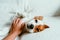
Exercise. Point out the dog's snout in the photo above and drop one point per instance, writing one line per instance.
(30, 26)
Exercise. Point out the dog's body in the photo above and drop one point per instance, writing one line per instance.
(36, 24)
(33, 25)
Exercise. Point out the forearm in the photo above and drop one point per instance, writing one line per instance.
(16, 29)
(11, 36)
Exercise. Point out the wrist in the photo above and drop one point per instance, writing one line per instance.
(11, 36)
(15, 32)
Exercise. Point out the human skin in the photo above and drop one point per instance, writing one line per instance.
(16, 29)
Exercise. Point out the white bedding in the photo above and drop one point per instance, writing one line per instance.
(42, 7)
(52, 33)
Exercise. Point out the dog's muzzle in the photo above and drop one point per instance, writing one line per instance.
(30, 26)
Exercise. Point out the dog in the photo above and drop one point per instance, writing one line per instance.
(36, 25)
(33, 25)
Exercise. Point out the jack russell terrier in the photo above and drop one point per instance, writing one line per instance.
(34, 24)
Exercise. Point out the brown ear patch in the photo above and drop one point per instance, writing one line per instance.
(38, 17)
(39, 28)
(46, 26)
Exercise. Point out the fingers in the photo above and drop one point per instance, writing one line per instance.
(16, 21)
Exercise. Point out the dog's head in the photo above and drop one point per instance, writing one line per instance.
(36, 24)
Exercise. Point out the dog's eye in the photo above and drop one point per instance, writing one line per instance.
(36, 21)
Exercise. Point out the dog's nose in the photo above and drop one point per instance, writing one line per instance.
(30, 26)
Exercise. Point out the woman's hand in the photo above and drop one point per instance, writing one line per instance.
(16, 28)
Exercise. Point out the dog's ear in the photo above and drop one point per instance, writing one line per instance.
(46, 26)
(38, 17)
(39, 28)
(35, 17)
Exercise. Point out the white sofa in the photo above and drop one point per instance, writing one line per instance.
(46, 8)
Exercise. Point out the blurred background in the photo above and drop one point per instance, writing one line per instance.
(46, 8)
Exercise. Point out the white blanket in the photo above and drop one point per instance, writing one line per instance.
(52, 33)
(40, 7)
